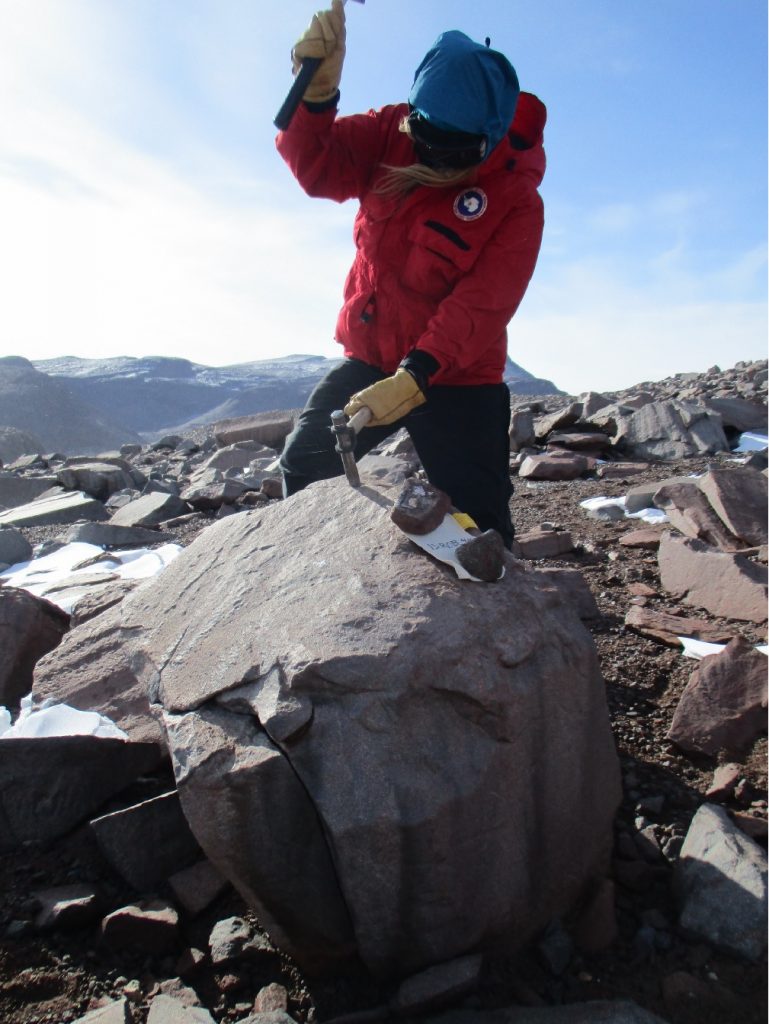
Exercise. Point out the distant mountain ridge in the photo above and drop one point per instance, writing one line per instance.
(155, 393)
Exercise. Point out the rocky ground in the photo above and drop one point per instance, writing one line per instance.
(56, 977)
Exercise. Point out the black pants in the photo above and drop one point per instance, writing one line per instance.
(460, 434)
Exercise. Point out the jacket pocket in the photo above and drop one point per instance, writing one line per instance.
(438, 256)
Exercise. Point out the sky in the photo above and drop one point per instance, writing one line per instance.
(144, 209)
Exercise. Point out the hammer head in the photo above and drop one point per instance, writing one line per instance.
(345, 445)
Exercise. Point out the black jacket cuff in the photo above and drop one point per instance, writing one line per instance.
(421, 365)
(320, 108)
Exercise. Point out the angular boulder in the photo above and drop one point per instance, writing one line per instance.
(739, 498)
(690, 512)
(67, 507)
(723, 706)
(357, 732)
(672, 430)
(724, 584)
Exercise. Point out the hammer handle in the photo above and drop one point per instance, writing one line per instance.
(309, 66)
(360, 419)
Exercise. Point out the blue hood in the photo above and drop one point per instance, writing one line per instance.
(464, 86)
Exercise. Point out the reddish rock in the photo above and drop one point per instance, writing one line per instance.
(725, 779)
(151, 926)
(420, 507)
(724, 704)
(67, 907)
(690, 512)
(621, 470)
(642, 590)
(647, 540)
(723, 584)
(541, 543)
(29, 628)
(739, 497)
(668, 628)
(555, 466)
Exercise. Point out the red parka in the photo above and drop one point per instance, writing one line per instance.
(443, 269)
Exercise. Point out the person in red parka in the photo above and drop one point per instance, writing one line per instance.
(447, 236)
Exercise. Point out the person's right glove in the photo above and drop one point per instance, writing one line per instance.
(325, 38)
(388, 399)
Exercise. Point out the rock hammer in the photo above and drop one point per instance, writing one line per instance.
(309, 66)
(346, 432)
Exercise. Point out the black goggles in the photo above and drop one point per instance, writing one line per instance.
(444, 149)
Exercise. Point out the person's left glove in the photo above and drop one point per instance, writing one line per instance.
(388, 399)
(325, 38)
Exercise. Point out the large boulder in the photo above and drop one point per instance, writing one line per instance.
(672, 430)
(357, 732)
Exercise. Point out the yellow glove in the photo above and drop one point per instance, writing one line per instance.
(325, 38)
(388, 399)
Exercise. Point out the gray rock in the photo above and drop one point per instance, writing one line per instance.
(284, 871)
(150, 510)
(739, 497)
(564, 417)
(14, 443)
(212, 496)
(726, 585)
(438, 986)
(357, 668)
(268, 428)
(14, 546)
(233, 938)
(672, 430)
(165, 1009)
(20, 490)
(197, 886)
(108, 535)
(521, 429)
(738, 413)
(99, 479)
(720, 880)
(239, 455)
(117, 1012)
(147, 842)
(49, 784)
(68, 507)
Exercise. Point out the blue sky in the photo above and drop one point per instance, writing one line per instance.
(145, 210)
